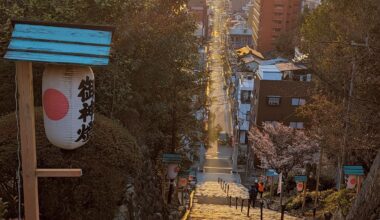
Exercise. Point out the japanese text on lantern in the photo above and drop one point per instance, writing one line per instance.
(86, 94)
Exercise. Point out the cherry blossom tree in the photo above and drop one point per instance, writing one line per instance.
(283, 148)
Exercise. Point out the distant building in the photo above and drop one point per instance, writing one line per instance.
(251, 59)
(240, 35)
(199, 9)
(237, 5)
(310, 4)
(279, 89)
(244, 94)
(270, 18)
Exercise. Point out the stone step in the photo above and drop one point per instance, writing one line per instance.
(218, 163)
(217, 170)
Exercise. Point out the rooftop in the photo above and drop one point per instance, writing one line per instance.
(240, 28)
(290, 67)
(247, 50)
(269, 72)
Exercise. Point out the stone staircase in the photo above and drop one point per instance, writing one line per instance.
(211, 202)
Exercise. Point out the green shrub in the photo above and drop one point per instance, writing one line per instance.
(3, 209)
(339, 200)
(108, 160)
(295, 202)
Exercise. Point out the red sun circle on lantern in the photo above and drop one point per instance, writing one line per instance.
(353, 181)
(300, 186)
(55, 104)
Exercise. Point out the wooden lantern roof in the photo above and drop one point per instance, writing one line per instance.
(60, 43)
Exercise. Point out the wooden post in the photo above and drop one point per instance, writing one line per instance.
(242, 204)
(28, 141)
(304, 197)
(282, 211)
(318, 176)
(358, 184)
(249, 205)
(236, 201)
(230, 201)
(30, 173)
(183, 191)
(271, 188)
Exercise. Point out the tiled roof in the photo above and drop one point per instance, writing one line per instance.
(247, 50)
(289, 66)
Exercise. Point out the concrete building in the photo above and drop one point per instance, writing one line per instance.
(199, 9)
(237, 5)
(244, 94)
(310, 4)
(240, 35)
(279, 90)
(270, 18)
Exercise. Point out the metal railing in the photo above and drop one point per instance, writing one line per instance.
(225, 187)
(188, 209)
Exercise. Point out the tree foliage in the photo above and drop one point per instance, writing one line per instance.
(282, 148)
(149, 85)
(341, 38)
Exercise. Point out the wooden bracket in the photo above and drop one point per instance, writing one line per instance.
(30, 172)
(58, 172)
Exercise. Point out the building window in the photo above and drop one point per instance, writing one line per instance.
(245, 97)
(306, 77)
(277, 21)
(278, 14)
(298, 101)
(298, 125)
(276, 29)
(274, 100)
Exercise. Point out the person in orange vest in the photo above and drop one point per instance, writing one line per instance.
(261, 189)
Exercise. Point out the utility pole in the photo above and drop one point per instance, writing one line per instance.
(347, 116)
(318, 175)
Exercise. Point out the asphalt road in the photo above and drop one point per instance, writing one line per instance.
(218, 158)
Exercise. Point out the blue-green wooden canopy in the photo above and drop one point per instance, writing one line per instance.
(171, 158)
(60, 43)
(353, 170)
(300, 178)
(271, 172)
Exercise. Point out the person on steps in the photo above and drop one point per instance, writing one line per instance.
(253, 194)
(261, 189)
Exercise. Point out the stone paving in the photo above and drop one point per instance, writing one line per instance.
(213, 211)
(211, 202)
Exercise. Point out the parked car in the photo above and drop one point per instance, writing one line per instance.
(223, 138)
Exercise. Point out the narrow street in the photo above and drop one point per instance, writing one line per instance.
(218, 158)
(210, 201)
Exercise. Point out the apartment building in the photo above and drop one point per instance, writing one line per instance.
(240, 35)
(243, 108)
(270, 18)
(279, 90)
(199, 9)
(310, 4)
(237, 5)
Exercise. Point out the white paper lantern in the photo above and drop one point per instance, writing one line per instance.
(173, 170)
(299, 186)
(68, 98)
(351, 182)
